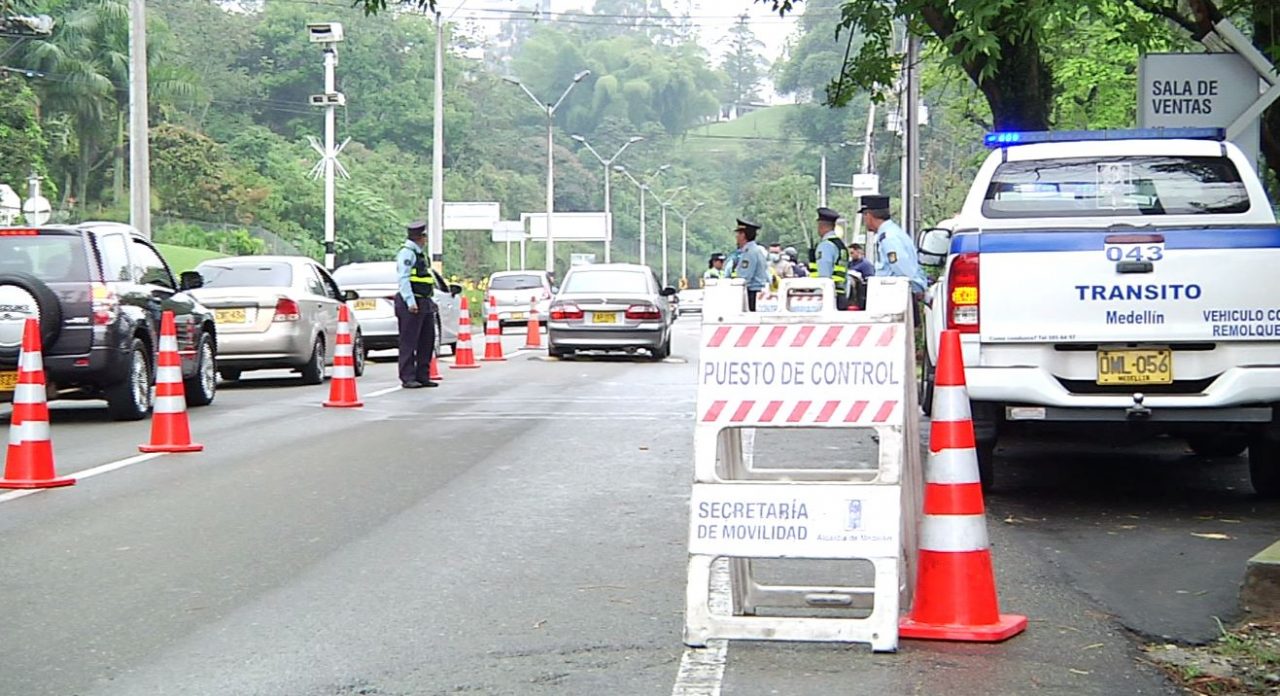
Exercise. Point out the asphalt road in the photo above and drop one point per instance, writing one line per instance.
(521, 530)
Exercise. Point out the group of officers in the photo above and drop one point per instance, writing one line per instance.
(845, 264)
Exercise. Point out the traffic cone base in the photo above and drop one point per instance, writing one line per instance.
(434, 375)
(29, 460)
(935, 613)
(170, 429)
(342, 383)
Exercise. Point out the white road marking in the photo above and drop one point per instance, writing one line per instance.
(382, 392)
(88, 473)
(702, 669)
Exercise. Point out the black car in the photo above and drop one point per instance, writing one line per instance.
(99, 289)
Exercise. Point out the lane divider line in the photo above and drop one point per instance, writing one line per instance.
(702, 669)
(88, 473)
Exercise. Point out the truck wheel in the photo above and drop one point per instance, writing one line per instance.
(1231, 445)
(1264, 467)
(927, 378)
(129, 399)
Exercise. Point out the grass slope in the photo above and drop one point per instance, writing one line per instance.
(769, 123)
(185, 258)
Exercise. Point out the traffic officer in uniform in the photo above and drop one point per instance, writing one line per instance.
(753, 263)
(830, 259)
(715, 268)
(415, 310)
(895, 252)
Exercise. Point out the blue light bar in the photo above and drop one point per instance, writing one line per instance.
(1006, 138)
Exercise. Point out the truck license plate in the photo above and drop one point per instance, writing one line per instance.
(1147, 366)
(8, 381)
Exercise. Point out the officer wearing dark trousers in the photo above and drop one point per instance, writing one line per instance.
(415, 310)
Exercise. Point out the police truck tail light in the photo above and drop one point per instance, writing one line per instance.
(105, 305)
(644, 312)
(565, 312)
(287, 310)
(962, 293)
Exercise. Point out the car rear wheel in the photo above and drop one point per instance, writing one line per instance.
(1264, 466)
(1221, 445)
(660, 354)
(201, 387)
(313, 371)
(33, 299)
(359, 354)
(557, 352)
(130, 398)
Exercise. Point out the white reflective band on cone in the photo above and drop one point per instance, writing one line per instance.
(953, 533)
(170, 404)
(30, 362)
(169, 343)
(28, 394)
(168, 374)
(952, 466)
(343, 327)
(343, 372)
(951, 404)
(30, 431)
(343, 350)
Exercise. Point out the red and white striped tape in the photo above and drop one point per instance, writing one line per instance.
(804, 336)
(799, 411)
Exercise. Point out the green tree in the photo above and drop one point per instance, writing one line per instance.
(744, 66)
(22, 139)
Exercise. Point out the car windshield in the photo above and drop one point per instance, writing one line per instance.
(630, 282)
(246, 275)
(52, 258)
(366, 274)
(1115, 186)
(515, 282)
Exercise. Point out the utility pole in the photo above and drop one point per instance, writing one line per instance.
(911, 198)
(139, 133)
(822, 181)
(665, 202)
(684, 239)
(328, 35)
(608, 166)
(437, 157)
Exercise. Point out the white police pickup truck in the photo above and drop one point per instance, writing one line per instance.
(1117, 284)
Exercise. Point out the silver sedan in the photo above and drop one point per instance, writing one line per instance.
(611, 307)
(273, 312)
(376, 283)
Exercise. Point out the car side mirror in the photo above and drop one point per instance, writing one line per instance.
(668, 292)
(555, 289)
(935, 244)
(349, 295)
(455, 289)
(190, 280)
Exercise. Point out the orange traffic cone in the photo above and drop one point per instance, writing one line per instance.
(435, 370)
(342, 386)
(170, 430)
(493, 334)
(533, 341)
(955, 596)
(465, 357)
(29, 462)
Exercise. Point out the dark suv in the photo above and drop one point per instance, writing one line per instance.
(99, 289)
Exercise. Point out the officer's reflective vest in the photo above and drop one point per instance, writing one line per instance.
(713, 274)
(421, 281)
(840, 272)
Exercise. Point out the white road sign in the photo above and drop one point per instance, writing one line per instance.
(1197, 90)
(570, 227)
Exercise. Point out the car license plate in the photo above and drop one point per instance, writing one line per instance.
(363, 305)
(517, 316)
(8, 381)
(604, 318)
(1147, 366)
(230, 316)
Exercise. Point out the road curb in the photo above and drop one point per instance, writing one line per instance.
(1260, 593)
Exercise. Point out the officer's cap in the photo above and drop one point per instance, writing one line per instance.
(747, 225)
(719, 257)
(417, 228)
(874, 203)
(827, 215)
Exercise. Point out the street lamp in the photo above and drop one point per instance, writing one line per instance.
(643, 188)
(608, 163)
(684, 238)
(670, 198)
(550, 110)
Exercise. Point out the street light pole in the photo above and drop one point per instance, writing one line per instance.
(139, 144)
(550, 110)
(684, 239)
(608, 165)
(666, 202)
(644, 188)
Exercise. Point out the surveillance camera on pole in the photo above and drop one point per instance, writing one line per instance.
(26, 26)
(328, 35)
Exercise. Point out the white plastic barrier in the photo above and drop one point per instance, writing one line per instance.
(803, 368)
